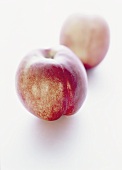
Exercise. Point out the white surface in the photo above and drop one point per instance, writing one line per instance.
(89, 140)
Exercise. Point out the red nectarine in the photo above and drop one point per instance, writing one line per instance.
(51, 82)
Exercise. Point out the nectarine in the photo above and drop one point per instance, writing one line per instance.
(87, 36)
(51, 82)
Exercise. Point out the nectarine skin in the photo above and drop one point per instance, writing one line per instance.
(88, 36)
(51, 83)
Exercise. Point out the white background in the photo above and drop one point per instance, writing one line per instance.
(92, 138)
